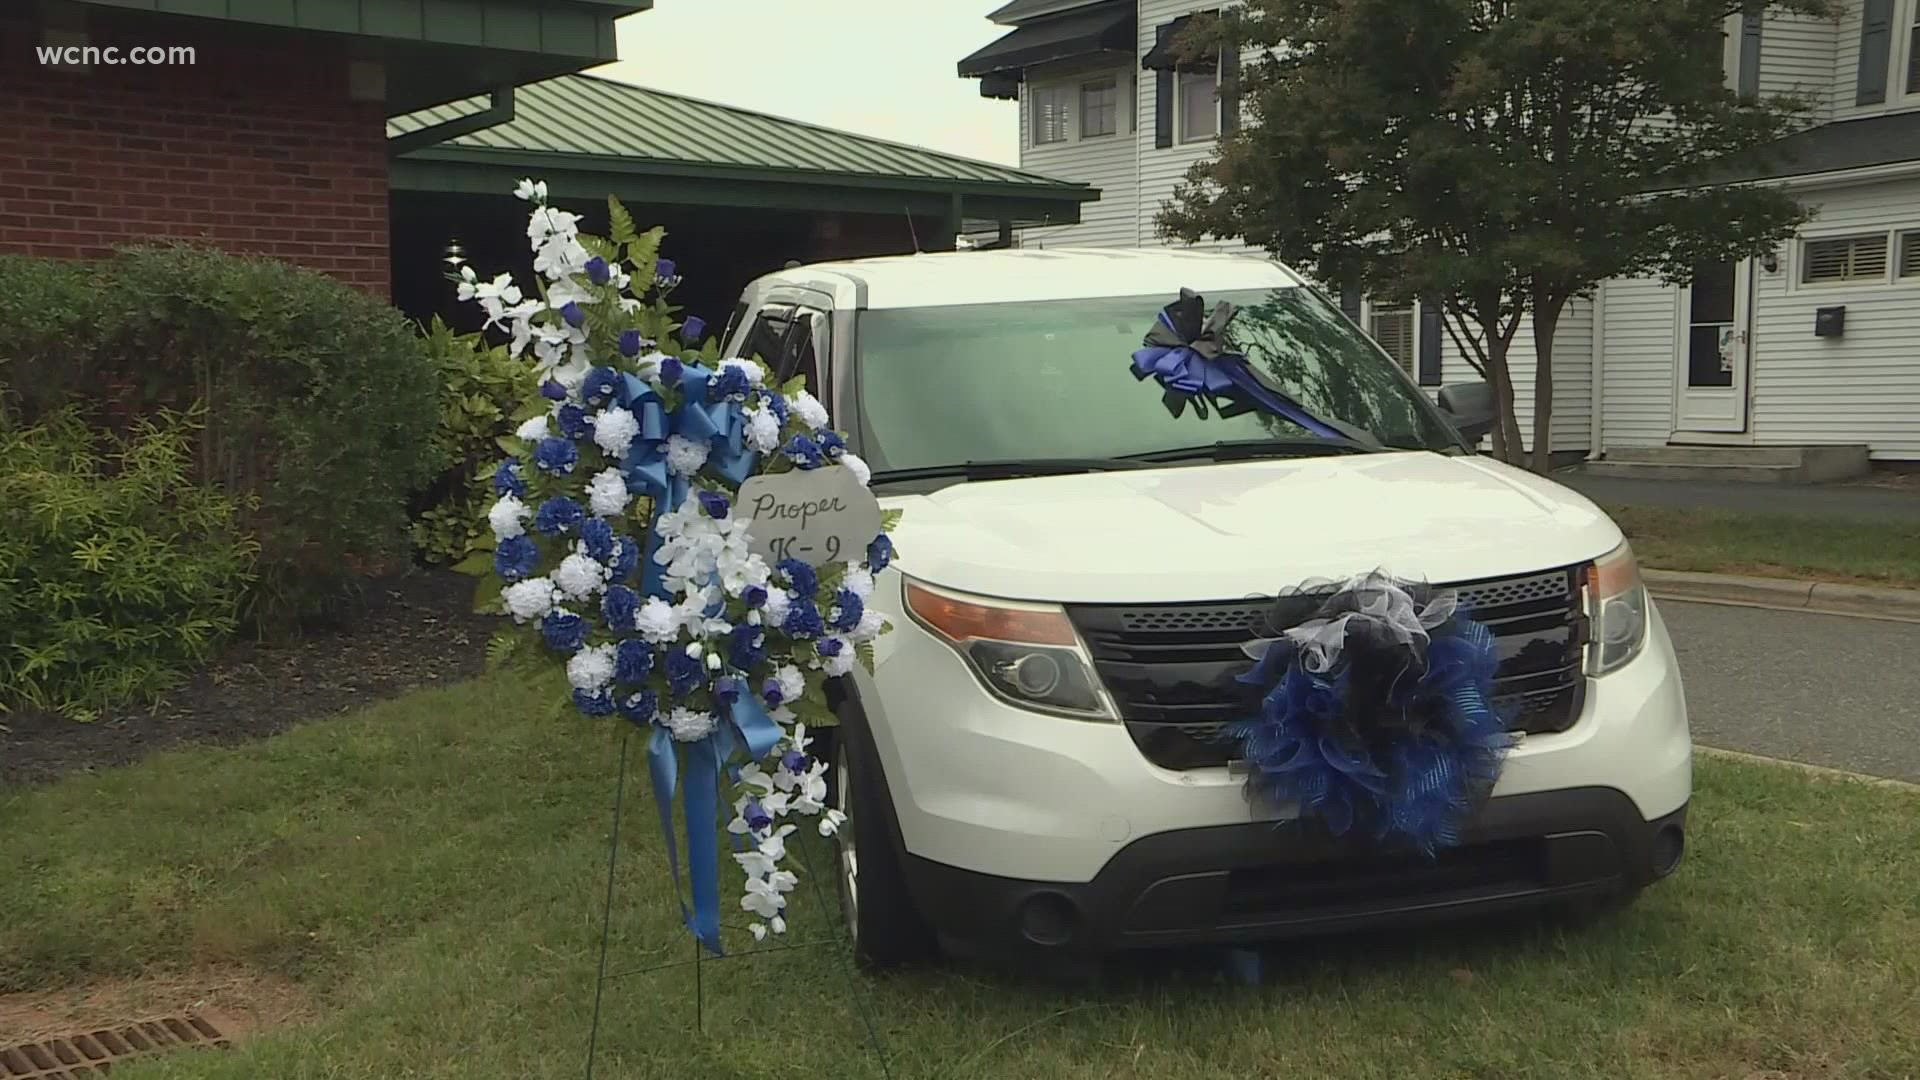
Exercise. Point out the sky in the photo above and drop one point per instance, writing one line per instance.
(876, 67)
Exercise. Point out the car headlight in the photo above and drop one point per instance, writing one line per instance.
(1617, 609)
(1026, 654)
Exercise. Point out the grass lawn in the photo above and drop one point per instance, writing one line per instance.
(430, 871)
(1729, 542)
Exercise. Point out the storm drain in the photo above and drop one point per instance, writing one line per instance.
(94, 1053)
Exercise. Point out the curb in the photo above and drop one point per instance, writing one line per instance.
(1789, 593)
(1820, 771)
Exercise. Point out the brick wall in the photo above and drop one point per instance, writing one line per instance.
(256, 148)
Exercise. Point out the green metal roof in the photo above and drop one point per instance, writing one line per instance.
(680, 149)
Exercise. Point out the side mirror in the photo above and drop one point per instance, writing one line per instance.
(1472, 409)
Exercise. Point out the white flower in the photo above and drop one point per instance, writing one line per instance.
(778, 602)
(685, 456)
(738, 571)
(812, 798)
(580, 575)
(530, 191)
(809, 410)
(763, 430)
(607, 493)
(656, 621)
(759, 931)
(529, 599)
(591, 669)
(861, 470)
(688, 725)
(567, 291)
(831, 821)
(872, 624)
(506, 517)
(533, 430)
(754, 372)
(840, 663)
(762, 899)
(793, 683)
(858, 581)
(614, 430)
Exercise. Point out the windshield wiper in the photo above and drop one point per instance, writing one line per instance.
(1008, 470)
(1248, 449)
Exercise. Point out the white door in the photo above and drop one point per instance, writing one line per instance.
(1714, 349)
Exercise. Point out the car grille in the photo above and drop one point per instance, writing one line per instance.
(1171, 668)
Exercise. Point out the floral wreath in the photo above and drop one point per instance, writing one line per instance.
(617, 545)
(1376, 694)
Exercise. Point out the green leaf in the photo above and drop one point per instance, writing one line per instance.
(621, 229)
(864, 651)
(890, 518)
(474, 565)
(486, 596)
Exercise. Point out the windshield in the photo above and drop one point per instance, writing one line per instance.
(1050, 379)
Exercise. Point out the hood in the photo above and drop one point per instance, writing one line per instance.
(1228, 531)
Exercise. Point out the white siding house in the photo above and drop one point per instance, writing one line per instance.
(1735, 359)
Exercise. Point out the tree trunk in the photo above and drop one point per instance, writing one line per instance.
(1546, 319)
(1507, 446)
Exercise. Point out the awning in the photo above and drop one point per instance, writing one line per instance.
(1165, 54)
(1107, 27)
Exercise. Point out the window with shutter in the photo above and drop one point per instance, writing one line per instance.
(1846, 258)
(1913, 53)
(1049, 114)
(1909, 255)
(1392, 327)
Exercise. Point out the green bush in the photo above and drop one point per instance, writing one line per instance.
(117, 572)
(480, 387)
(319, 399)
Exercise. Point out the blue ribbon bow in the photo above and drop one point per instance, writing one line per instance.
(1190, 358)
(745, 724)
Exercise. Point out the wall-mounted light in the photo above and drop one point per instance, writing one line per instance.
(1770, 262)
(455, 254)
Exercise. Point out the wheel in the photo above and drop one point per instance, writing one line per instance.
(870, 877)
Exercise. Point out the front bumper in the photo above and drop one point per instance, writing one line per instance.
(1257, 881)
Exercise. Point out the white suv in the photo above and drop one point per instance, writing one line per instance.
(1036, 760)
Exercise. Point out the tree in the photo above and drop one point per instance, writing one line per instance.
(1496, 157)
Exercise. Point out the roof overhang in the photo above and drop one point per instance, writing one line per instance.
(1087, 30)
(1166, 54)
(1867, 146)
(432, 52)
(591, 178)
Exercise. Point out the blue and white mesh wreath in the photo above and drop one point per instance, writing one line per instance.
(1376, 710)
(1376, 694)
(616, 542)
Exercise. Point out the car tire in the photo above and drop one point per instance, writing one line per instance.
(869, 865)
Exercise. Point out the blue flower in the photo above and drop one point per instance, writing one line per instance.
(756, 816)
(665, 270)
(804, 580)
(748, 647)
(597, 535)
(727, 691)
(770, 693)
(600, 385)
(794, 762)
(804, 452)
(691, 330)
(599, 703)
(506, 480)
(564, 631)
(778, 404)
(619, 606)
(633, 660)
(879, 553)
(639, 707)
(672, 371)
(715, 504)
(553, 391)
(555, 456)
(575, 315)
(831, 444)
(684, 672)
(832, 646)
(730, 383)
(515, 558)
(626, 557)
(598, 272)
(631, 343)
(573, 421)
(851, 608)
(754, 596)
(557, 515)
(803, 619)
